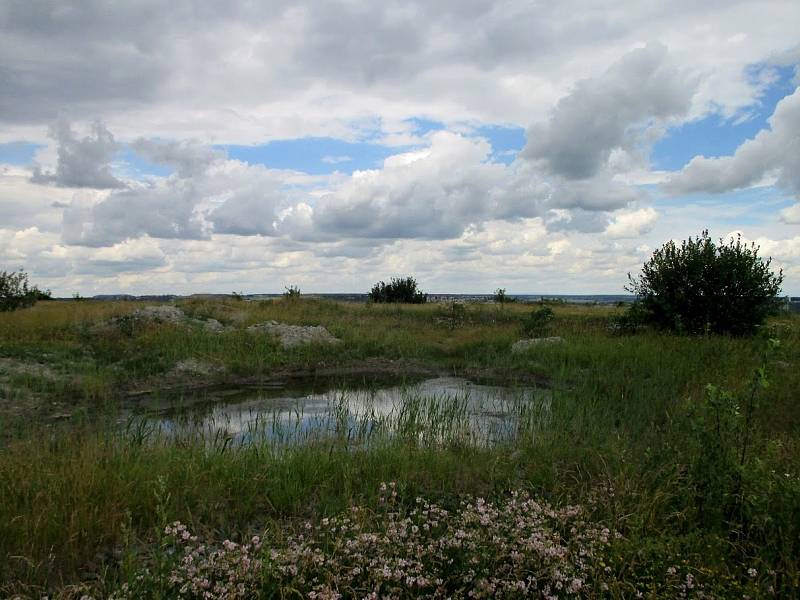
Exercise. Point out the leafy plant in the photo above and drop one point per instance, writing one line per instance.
(538, 321)
(398, 290)
(292, 293)
(723, 468)
(16, 292)
(702, 287)
(453, 315)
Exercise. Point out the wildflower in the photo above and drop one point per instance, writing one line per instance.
(575, 585)
(411, 551)
(689, 581)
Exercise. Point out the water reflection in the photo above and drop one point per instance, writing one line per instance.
(440, 410)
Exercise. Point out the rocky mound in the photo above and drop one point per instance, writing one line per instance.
(295, 335)
(162, 313)
(159, 314)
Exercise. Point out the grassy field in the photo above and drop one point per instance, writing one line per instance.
(697, 481)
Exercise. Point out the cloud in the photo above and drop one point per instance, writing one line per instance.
(165, 209)
(207, 193)
(142, 254)
(568, 214)
(576, 219)
(188, 158)
(253, 194)
(335, 160)
(82, 163)
(600, 193)
(598, 115)
(247, 72)
(632, 224)
(431, 193)
(24, 204)
(439, 191)
(774, 151)
(791, 215)
(78, 60)
(434, 193)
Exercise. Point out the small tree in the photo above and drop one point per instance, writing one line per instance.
(500, 295)
(702, 287)
(16, 292)
(400, 289)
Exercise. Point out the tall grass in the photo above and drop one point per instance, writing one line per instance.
(622, 416)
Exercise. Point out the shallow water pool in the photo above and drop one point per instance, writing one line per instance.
(437, 410)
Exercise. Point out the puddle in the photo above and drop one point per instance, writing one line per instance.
(439, 410)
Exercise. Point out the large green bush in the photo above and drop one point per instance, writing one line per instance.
(703, 287)
(16, 292)
(399, 289)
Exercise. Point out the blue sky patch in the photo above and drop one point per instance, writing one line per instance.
(135, 166)
(314, 155)
(506, 141)
(714, 135)
(325, 155)
(751, 206)
(18, 153)
(423, 126)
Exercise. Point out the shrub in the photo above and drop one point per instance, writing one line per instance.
(538, 321)
(399, 289)
(628, 321)
(16, 292)
(702, 287)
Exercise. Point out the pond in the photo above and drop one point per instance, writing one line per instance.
(436, 411)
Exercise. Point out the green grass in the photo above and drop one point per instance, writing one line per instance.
(627, 413)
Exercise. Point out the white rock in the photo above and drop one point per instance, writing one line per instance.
(193, 366)
(213, 326)
(524, 345)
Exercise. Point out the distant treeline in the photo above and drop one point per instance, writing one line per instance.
(791, 303)
(344, 297)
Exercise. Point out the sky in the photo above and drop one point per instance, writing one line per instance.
(542, 147)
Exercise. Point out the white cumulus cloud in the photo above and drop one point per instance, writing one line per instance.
(632, 224)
